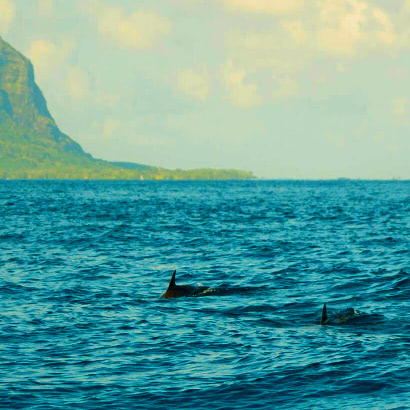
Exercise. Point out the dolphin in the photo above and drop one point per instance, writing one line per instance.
(345, 316)
(177, 291)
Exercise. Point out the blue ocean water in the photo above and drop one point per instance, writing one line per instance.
(83, 266)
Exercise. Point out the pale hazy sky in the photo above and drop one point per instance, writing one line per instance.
(283, 88)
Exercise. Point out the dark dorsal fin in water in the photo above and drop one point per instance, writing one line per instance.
(324, 315)
(172, 281)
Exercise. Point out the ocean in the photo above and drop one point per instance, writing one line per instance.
(83, 265)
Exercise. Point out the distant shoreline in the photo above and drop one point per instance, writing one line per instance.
(255, 179)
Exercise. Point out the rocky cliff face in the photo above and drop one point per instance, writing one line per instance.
(23, 107)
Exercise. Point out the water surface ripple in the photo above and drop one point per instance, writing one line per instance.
(82, 266)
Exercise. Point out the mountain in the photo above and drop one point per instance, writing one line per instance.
(33, 147)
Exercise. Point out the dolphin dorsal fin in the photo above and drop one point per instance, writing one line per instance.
(324, 315)
(172, 281)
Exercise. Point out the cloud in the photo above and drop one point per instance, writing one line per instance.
(110, 128)
(108, 100)
(386, 32)
(138, 30)
(129, 134)
(338, 32)
(296, 31)
(352, 28)
(400, 108)
(195, 83)
(46, 7)
(76, 83)
(46, 55)
(341, 25)
(323, 28)
(7, 13)
(241, 94)
(286, 87)
(264, 6)
(260, 50)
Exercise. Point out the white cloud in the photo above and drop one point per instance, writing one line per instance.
(386, 32)
(110, 128)
(341, 25)
(331, 28)
(264, 6)
(138, 30)
(46, 55)
(275, 51)
(195, 83)
(46, 7)
(335, 30)
(108, 100)
(296, 30)
(256, 41)
(76, 83)
(401, 108)
(241, 94)
(7, 13)
(353, 28)
(286, 87)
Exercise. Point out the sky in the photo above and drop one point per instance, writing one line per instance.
(306, 89)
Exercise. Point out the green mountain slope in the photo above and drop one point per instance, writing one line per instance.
(32, 145)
